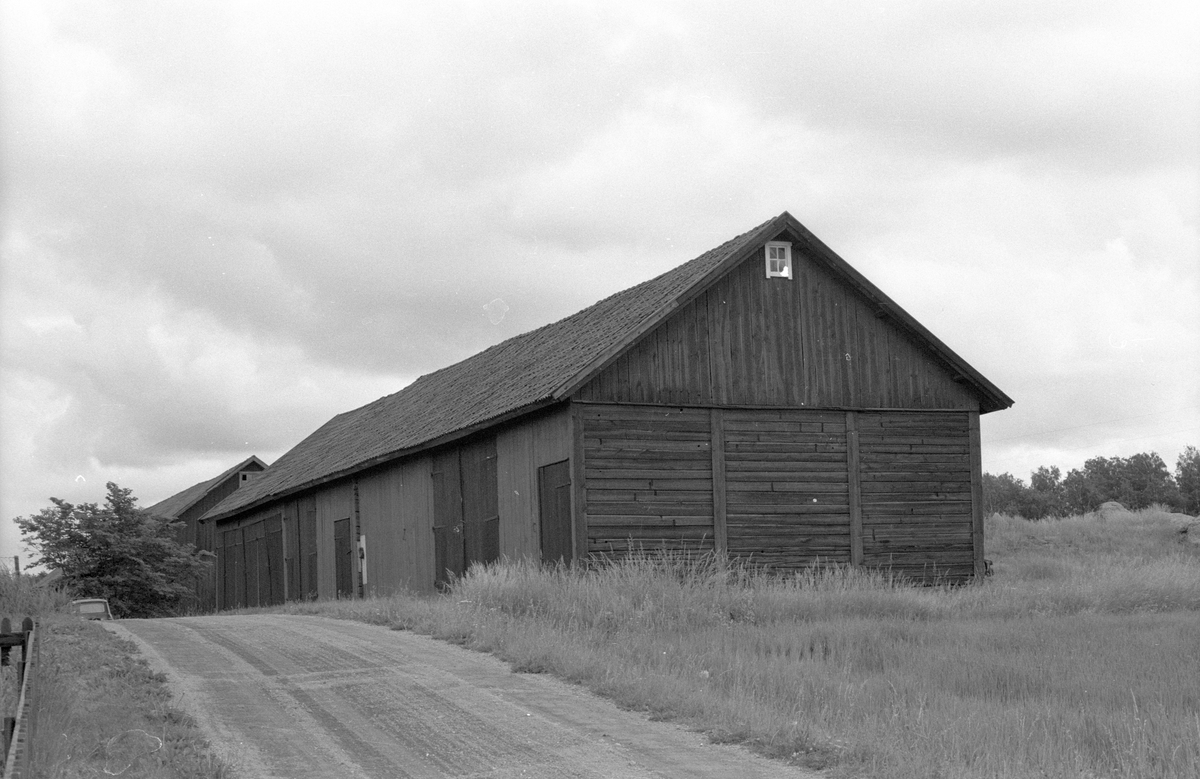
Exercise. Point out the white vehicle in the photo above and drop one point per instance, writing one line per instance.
(91, 608)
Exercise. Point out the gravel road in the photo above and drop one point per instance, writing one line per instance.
(288, 696)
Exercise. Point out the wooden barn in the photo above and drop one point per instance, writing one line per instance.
(188, 506)
(763, 400)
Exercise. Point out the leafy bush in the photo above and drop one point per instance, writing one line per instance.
(115, 551)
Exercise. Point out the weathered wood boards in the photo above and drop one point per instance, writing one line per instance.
(787, 486)
(916, 493)
(809, 342)
(792, 487)
(251, 564)
(648, 476)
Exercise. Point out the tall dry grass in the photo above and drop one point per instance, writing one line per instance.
(21, 597)
(1078, 658)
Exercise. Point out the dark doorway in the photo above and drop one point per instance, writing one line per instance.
(554, 511)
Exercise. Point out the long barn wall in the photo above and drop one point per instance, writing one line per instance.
(391, 509)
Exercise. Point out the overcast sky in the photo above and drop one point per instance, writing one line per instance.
(225, 222)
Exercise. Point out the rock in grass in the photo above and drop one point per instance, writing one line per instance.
(1191, 532)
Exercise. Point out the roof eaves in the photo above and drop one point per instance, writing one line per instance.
(207, 486)
(216, 516)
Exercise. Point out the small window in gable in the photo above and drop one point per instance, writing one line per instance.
(779, 260)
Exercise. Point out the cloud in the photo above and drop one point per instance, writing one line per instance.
(225, 222)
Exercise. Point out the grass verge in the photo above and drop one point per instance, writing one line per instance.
(101, 711)
(1076, 660)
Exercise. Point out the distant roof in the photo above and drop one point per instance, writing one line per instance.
(536, 369)
(180, 502)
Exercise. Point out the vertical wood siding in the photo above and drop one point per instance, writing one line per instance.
(395, 511)
(916, 493)
(333, 502)
(521, 450)
(648, 476)
(787, 487)
(810, 341)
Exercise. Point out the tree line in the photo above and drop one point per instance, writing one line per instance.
(1136, 482)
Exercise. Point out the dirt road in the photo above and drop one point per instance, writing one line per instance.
(286, 696)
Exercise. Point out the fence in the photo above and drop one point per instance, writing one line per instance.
(19, 730)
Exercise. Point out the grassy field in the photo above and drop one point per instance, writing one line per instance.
(101, 711)
(1080, 657)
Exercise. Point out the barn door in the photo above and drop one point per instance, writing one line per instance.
(480, 506)
(251, 573)
(291, 554)
(343, 559)
(271, 588)
(447, 518)
(554, 511)
(308, 548)
(235, 567)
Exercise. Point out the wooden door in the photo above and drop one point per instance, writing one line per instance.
(554, 511)
(308, 547)
(480, 505)
(235, 581)
(291, 553)
(228, 570)
(343, 559)
(447, 518)
(271, 588)
(252, 541)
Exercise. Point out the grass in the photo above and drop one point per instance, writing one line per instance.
(100, 710)
(1077, 658)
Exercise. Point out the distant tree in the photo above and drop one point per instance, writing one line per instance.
(1187, 479)
(1045, 495)
(1079, 495)
(115, 551)
(1147, 481)
(1002, 494)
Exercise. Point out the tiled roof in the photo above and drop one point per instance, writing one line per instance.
(523, 371)
(180, 502)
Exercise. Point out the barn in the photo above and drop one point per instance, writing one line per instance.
(763, 400)
(188, 506)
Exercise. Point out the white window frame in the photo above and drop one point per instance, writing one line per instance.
(786, 271)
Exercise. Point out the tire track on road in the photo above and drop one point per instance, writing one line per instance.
(352, 744)
(315, 697)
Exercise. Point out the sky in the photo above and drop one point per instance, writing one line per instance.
(224, 222)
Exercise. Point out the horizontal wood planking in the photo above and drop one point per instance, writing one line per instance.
(787, 498)
(916, 493)
(648, 474)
